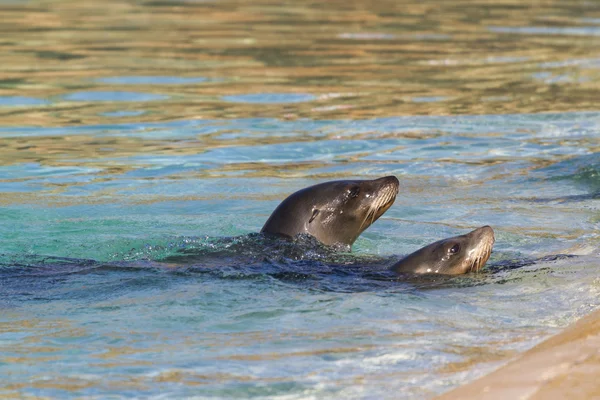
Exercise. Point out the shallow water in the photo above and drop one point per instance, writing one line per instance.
(135, 134)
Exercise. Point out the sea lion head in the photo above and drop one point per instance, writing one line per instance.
(452, 256)
(335, 212)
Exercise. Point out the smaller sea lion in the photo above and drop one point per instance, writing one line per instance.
(334, 212)
(451, 256)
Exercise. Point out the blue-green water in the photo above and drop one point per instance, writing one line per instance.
(132, 326)
(143, 145)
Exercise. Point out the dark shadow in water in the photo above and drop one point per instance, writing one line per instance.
(568, 199)
(511, 264)
(303, 262)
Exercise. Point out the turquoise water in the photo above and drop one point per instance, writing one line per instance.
(118, 317)
(144, 144)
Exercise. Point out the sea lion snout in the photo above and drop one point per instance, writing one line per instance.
(388, 182)
(451, 256)
(485, 232)
(481, 243)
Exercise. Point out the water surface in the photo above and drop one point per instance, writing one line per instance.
(132, 133)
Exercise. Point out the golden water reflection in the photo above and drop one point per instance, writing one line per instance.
(358, 59)
(68, 64)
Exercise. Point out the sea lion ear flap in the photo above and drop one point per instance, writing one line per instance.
(314, 215)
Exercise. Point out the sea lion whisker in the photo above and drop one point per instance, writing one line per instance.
(373, 209)
(364, 220)
(371, 215)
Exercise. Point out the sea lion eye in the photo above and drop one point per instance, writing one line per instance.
(454, 249)
(354, 192)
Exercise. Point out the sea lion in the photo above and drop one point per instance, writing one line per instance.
(335, 212)
(451, 256)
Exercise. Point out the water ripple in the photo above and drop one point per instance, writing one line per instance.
(112, 96)
(270, 98)
(152, 80)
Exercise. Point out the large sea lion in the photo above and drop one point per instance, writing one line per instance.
(335, 212)
(452, 256)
